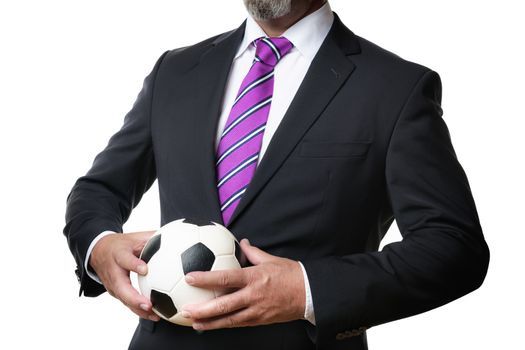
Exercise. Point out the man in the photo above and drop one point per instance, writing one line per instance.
(308, 141)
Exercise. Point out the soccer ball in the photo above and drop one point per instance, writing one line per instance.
(178, 248)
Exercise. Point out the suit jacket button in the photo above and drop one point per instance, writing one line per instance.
(340, 336)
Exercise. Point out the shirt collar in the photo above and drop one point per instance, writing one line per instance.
(306, 35)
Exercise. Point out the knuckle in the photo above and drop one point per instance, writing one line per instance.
(118, 292)
(128, 302)
(244, 277)
(265, 279)
(251, 315)
(137, 247)
(118, 259)
(221, 306)
(246, 299)
(249, 277)
(111, 278)
(231, 322)
(224, 279)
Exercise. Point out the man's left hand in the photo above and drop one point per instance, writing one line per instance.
(271, 291)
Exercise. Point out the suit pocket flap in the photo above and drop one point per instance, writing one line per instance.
(334, 149)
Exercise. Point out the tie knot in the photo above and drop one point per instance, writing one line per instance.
(270, 50)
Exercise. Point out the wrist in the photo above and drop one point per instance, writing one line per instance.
(99, 251)
(87, 261)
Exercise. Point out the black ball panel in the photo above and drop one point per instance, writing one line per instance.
(163, 304)
(151, 248)
(198, 257)
(198, 222)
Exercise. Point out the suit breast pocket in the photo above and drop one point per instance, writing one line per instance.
(310, 149)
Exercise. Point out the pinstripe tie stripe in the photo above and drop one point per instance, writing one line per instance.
(243, 165)
(242, 136)
(246, 114)
(253, 85)
(241, 143)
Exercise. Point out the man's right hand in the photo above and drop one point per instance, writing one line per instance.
(112, 258)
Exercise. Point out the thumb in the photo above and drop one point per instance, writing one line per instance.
(255, 255)
(139, 240)
(143, 235)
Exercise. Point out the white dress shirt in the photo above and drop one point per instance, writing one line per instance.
(306, 35)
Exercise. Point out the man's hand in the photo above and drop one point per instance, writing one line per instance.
(112, 258)
(271, 291)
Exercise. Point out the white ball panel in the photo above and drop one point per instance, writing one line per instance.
(225, 262)
(179, 236)
(184, 294)
(218, 239)
(183, 321)
(164, 269)
(144, 287)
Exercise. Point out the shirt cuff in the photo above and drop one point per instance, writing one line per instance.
(88, 268)
(309, 307)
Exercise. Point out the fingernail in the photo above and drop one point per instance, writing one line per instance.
(247, 241)
(144, 307)
(142, 269)
(185, 314)
(190, 279)
(154, 318)
(197, 326)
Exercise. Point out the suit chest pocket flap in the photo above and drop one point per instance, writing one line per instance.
(334, 149)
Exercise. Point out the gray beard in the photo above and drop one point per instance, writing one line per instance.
(264, 10)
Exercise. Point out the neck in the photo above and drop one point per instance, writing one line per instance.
(276, 27)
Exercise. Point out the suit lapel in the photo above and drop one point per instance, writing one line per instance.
(327, 73)
(212, 74)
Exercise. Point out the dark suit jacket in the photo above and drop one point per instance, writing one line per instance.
(362, 143)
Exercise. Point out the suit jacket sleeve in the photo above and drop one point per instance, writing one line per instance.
(443, 254)
(103, 198)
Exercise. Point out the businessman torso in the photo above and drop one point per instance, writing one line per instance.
(324, 189)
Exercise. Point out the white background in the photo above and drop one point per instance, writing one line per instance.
(70, 70)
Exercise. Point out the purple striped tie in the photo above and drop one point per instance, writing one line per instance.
(242, 136)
